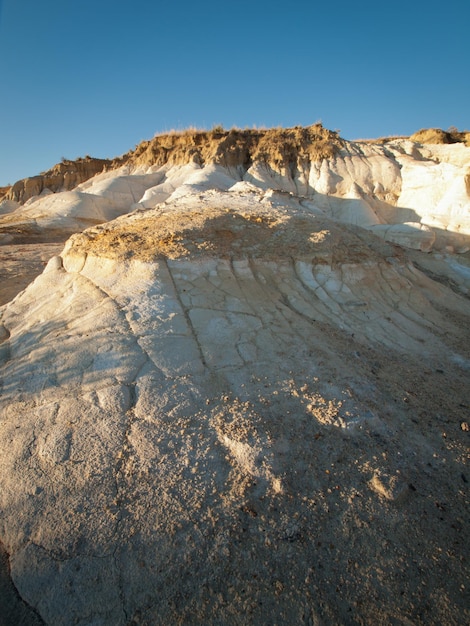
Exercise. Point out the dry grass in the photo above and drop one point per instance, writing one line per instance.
(426, 135)
(278, 147)
(439, 136)
(382, 140)
(284, 147)
(181, 131)
(218, 232)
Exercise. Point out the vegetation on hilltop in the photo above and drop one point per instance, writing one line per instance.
(284, 149)
(280, 147)
(436, 135)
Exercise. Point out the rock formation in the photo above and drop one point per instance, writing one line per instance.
(413, 194)
(62, 177)
(240, 401)
(438, 136)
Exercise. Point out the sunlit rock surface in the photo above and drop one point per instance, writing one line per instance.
(416, 188)
(235, 403)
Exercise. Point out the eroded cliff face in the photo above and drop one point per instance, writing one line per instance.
(277, 147)
(62, 177)
(439, 136)
(280, 148)
(229, 400)
(283, 149)
(4, 191)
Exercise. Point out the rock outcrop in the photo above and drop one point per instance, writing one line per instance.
(410, 193)
(439, 136)
(234, 403)
(280, 148)
(4, 191)
(62, 177)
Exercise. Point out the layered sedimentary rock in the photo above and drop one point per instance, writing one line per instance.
(235, 403)
(62, 177)
(410, 193)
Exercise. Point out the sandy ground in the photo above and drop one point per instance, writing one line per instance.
(20, 264)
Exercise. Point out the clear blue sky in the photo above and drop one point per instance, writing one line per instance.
(98, 76)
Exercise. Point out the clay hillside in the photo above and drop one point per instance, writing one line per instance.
(235, 381)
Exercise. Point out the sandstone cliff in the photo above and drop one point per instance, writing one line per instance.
(437, 136)
(414, 193)
(279, 147)
(4, 191)
(62, 177)
(287, 149)
(233, 398)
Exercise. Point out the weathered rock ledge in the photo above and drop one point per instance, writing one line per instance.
(62, 177)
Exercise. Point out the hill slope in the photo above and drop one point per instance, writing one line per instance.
(414, 194)
(235, 403)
